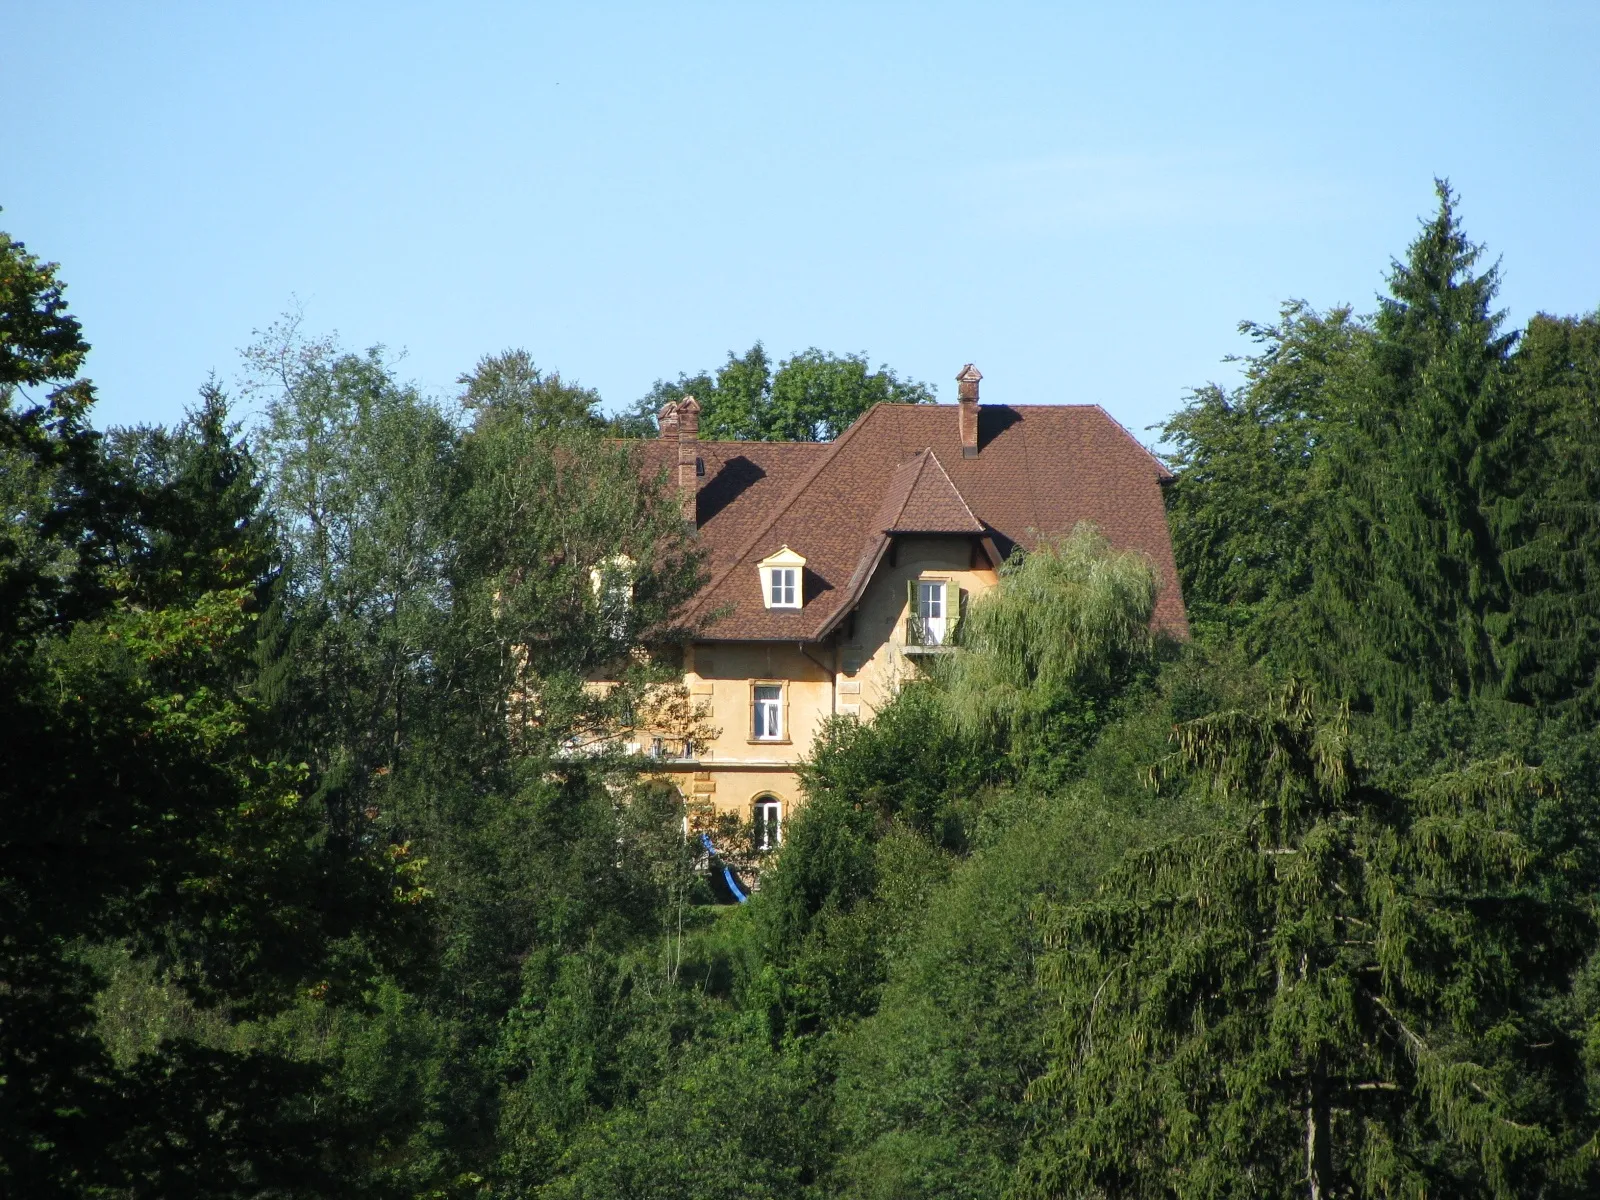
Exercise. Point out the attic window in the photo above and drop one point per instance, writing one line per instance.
(783, 579)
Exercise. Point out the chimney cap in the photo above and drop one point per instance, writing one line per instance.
(969, 374)
(689, 405)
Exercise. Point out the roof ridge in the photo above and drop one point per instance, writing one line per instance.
(744, 441)
(794, 493)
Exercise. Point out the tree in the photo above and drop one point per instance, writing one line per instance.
(42, 346)
(138, 810)
(359, 478)
(1251, 488)
(812, 397)
(816, 396)
(1411, 600)
(50, 539)
(1551, 558)
(1349, 514)
(510, 381)
(1351, 990)
(1043, 657)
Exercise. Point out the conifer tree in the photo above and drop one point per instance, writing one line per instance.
(1410, 599)
(1349, 993)
(1552, 554)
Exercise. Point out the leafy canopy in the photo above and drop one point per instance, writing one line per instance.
(811, 397)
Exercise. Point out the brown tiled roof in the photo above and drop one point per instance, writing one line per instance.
(1040, 469)
(921, 499)
(743, 482)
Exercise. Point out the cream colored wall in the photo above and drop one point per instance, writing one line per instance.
(736, 789)
(856, 671)
(878, 640)
(720, 676)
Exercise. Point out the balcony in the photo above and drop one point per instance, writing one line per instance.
(922, 639)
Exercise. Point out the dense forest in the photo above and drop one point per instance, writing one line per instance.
(304, 890)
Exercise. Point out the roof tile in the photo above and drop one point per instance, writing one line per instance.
(1039, 470)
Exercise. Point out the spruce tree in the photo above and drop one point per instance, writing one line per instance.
(1552, 545)
(1410, 600)
(1353, 991)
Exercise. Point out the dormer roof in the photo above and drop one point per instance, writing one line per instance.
(921, 499)
(783, 557)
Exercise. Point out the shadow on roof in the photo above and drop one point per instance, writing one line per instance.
(993, 420)
(722, 489)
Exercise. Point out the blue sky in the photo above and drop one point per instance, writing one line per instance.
(1083, 200)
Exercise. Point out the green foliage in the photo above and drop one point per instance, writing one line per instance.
(1346, 990)
(1411, 571)
(1250, 491)
(359, 478)
(909, 764)
(548, 525)
(931, 1095)
(931, 1085)
(1551, 648)
(510, 382)
(41, 343)
(812, 397)
(735, 1121)
(1045, 654)
(139, 810)
(1391, 507)
(320, 878)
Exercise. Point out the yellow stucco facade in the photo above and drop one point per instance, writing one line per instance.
(853, 672)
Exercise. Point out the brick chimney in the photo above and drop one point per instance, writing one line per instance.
(667, 420)
(967, 402)
(689, 466)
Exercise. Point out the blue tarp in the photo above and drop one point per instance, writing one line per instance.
(739, 893)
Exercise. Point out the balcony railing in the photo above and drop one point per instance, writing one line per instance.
(923, 639)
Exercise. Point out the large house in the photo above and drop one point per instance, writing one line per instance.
(833, 567)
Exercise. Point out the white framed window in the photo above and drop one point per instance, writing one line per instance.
(768, 821)
(767, 712)
(783, 588)
(783, 579)
(932, 610)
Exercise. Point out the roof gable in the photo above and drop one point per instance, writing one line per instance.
(782, 557)
(921, 499)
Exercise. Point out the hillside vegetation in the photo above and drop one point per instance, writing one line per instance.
(316, 878)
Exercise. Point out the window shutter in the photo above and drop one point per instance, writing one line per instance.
(783, 730)
(958, 611)
(913, 618)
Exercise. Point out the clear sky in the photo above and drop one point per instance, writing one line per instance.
(1083, 200)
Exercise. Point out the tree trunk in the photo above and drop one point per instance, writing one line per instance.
(1319, 1151)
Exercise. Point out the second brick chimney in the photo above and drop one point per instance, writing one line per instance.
(967, 402)
(689, 469)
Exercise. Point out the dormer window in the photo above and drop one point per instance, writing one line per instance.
(783, 579)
